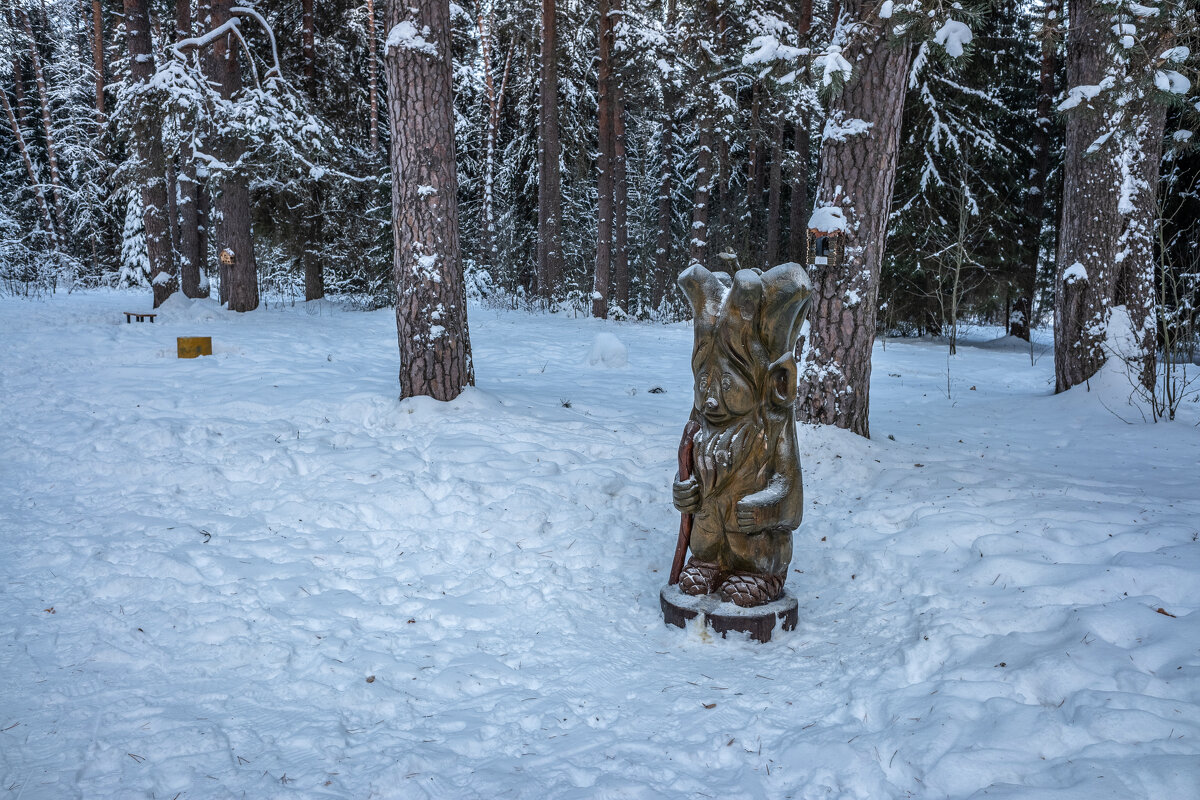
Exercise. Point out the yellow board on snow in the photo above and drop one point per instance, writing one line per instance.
(192, 346)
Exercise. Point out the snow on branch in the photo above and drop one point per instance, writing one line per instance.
(953, 36)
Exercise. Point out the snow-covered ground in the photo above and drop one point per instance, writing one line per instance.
(259, 575)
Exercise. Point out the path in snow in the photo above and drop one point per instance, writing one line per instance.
(232, 546)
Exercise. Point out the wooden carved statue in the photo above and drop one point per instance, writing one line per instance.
(741, 480)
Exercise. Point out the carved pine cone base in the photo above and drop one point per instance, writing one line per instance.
(748, 589)
(699, 577)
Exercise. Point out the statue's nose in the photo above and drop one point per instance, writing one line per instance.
(711, 404)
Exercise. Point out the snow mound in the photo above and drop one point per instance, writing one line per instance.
(608, 351)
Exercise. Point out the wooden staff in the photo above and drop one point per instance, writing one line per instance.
(685, 520)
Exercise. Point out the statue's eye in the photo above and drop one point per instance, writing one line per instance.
(703, 382)
(726, 381)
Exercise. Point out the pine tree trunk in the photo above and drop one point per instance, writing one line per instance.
(308, 42)
(47, 222)
(1090, 222)
(754, 178)
(188, 190)
(147, 138)
(702, 193)
(47, 129)
(857, 174)
(549, 252)
(314, 275)
(17, 67)
(239, 282)
(1136, 257)
(799, 212)
(621, 279)
(1021, 321)
(604, 165)
(431, 311)
(774, 202)
(663, 249)
(98, 63)
(372, 77)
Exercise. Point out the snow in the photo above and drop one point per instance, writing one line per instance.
(1181, 135)
(885, 10)
(1168, 80)
(258, 574)
(1085, 92)
(828, 219)
(607, 351)
(405, 36)
(953, 35)
(1177, 55)
(838, 128)
(831, 63)
(769, 49)
(1075, 272)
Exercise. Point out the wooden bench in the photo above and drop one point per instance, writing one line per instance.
(142, 316)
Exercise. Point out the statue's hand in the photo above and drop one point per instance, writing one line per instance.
(751, 517)
(686, 495)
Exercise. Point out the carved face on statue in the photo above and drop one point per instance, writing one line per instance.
(723, 392)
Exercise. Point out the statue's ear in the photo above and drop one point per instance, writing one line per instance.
(782, 381)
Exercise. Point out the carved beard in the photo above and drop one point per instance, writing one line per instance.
(720, 451)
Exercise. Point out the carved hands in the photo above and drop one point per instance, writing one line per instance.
(686, 495)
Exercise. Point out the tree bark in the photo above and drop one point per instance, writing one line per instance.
(239, 282)
(549, 252)
(47, 129)
(1090, 222)
(857, 175)
(604, 164)
(799, 211)
(147, 138)
(431, 311)
(1021, 321)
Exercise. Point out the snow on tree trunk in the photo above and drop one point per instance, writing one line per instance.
(604, 165)
(857, 175)
(431, 312)
(239, 283)
(1087, 245)
(147, 137)
(1136, 257)
(549, 248)
(372, 78)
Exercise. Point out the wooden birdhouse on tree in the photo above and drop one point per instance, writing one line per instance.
(826, 237)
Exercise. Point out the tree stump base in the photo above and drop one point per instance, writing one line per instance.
(678, 608)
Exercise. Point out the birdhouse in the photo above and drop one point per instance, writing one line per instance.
(826, 248)
(826, 237)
